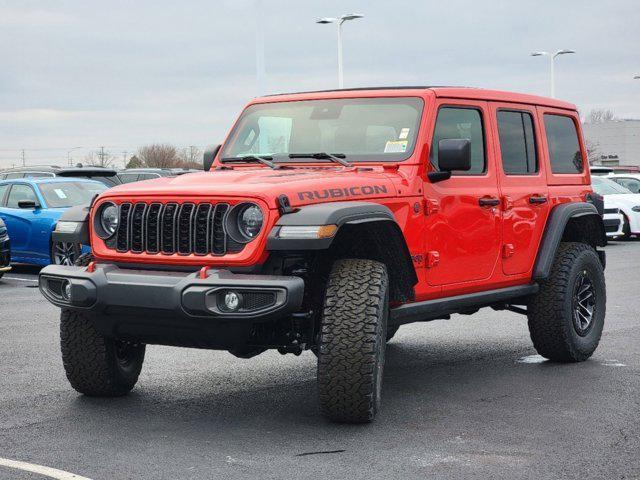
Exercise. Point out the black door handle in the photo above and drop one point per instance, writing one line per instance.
(489, 202)
(535, 199)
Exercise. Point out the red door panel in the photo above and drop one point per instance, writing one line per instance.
(463, 237)
(525, 195)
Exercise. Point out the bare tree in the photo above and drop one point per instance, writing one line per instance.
(99, 158)
(600, 115)
(593, 152)
(191, 157)
(159, 156)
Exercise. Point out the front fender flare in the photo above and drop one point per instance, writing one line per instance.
(334, 213)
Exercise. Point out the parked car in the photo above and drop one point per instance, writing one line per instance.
(104, 175)
(30, 208)
(5, 250)
(630, 181)
(617, 197)
(131, 175)
(385, 207)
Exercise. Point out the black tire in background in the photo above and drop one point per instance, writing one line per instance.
(566, 316)
(353, 340)
(626, 228)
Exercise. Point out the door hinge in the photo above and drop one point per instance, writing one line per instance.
(507, 250)
(431, 206)
(507, 203)
(433, 259)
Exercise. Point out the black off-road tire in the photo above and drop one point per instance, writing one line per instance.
(353, 340)
(391, 331)
(84, 260)
(96, 365)
(550, 312)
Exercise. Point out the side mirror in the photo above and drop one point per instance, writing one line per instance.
(209, 156)
(28, 204)
(453, 154)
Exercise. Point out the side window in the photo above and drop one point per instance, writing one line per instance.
(15, 175)
(148, 176)
(517, 142)
(128, 177)
(3, 192)
(460, 122)
(630, 183)
(18, 193)
(39, 174)
(564, 148)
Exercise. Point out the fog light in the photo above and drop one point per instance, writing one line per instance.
(66, 290)
(232, 301)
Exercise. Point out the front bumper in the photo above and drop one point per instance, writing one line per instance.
(110, 291)
(5, 255)
(613, 224)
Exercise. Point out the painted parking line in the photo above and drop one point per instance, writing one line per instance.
(41, 470)
(21, 279)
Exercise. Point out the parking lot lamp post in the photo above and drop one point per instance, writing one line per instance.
(339, 22)
(564, 51)
(69, 155)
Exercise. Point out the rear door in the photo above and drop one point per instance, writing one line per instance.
(523, 184)
(463, 228)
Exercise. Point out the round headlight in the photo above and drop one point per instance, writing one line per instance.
(250, 221)
(109, 219)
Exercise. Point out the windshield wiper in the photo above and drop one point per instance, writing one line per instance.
(336, 157)
(263, 159)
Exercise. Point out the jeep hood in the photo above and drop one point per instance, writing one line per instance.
(302, 185)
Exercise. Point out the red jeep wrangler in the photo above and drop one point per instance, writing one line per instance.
(329, 219)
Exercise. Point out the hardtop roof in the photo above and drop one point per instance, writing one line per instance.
(470, 93)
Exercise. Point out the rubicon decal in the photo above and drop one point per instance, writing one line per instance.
(342, 192)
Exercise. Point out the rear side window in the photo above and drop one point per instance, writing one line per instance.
(148, 176)
(14, 175)
(128, 177)
(466, 123)
(564, 148)
(517, 142)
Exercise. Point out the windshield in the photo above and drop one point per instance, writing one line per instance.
(70, 194)
(361, 129)
(604, 186)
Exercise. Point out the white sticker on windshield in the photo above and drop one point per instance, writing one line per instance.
(60, 193)
(404, 133)
(395, 146)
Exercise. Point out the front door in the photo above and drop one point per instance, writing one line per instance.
(523, 185)
(463, 225)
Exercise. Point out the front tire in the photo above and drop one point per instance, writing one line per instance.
(96, 365)
(353, 340)
(566, 316)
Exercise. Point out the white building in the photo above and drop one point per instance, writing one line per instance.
(617, 142)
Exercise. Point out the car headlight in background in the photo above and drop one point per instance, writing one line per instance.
(245, 222)
(108, 218)
(636, 208)
(67, 227)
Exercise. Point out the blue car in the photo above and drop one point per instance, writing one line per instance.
(5, 250)
(30, 208)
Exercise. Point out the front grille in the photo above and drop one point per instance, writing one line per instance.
(187, 228)
(611, 210)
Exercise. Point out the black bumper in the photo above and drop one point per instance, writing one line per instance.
(5, 255)
(113, 291)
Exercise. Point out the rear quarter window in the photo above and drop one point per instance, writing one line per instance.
(562, 140)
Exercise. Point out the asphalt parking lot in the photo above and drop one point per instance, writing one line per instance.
(465, 398)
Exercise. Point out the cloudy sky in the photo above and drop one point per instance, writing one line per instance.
(122, 74)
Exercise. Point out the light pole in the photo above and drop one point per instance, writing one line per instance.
(339, 22)
(553, 59)
(69, 155)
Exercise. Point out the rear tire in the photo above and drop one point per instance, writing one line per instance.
(96, 365)
(566, 316)
(352, 341)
